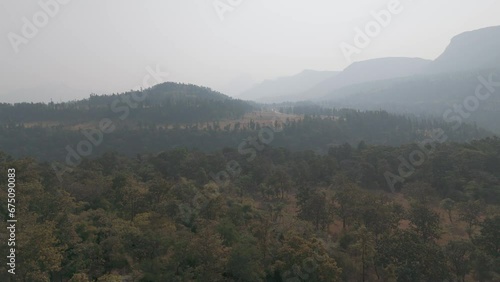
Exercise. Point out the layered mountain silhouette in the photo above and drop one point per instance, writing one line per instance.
(370, 70)
(313, 84)
(448, 82)
(284, 87)
(473, 50)
(407, 85)
(470, 51)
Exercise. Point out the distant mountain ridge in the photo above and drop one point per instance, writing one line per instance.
(277, 89)
(448, 82)
(472, 50)
(370, 70)
(469, 51)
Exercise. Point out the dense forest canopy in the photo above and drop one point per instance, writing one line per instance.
(296, 132)
(185, 215)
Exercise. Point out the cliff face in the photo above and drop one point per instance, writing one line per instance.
(473, 50)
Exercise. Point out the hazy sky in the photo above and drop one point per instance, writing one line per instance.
(104, 46)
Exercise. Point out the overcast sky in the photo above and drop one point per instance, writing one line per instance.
(104, 46)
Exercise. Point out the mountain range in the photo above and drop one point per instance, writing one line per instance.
(470, 51)
(282, 88)
(415, 86)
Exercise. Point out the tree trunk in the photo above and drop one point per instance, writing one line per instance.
(363, 262)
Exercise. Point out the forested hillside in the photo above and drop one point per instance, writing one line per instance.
(445, 96)
(167, 103)
(312, 128)
(193, 186)
(185, 215)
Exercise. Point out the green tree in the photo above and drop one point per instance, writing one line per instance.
(470, 212)
(365, 246)
(40, 253)
(316, 209)
(412, 258)
(209, 255)
(346, 201)
(245, 261)
(459, 258)
(448, 204)
(300, 259)
(424, 221)
(489, 237)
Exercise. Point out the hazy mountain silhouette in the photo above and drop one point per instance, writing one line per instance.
(468, 54)
(280, 88)
(471, 58)
(469, 51)
(437, 95)
(472, 50)
(370, 70)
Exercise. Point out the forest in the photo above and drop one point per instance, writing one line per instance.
(318, 132)
(186, 215)
(191, 185)
(172, 102)
(250, 141)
